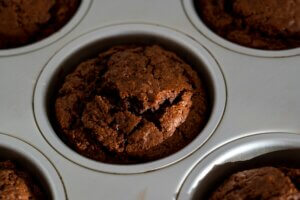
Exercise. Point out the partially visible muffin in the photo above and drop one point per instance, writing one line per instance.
(267, 24)
(131, 104)
(26, 21)
(16, 184)
(266, 183)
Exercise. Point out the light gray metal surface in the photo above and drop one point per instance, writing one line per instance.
(262, 96)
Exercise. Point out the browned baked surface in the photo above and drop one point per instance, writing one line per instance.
(17, 185)
(26, 21)
(267, 24)
(131, 104)
(266, 183)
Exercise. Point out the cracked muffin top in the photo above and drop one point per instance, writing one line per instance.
(131, 104)
(266, 183)
(25, 21)
(268, 24)
(16, 184)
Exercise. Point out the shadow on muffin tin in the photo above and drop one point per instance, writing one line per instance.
(191, 12)
(268, 149)
(74, 21)
(88, 46)
(31, 160)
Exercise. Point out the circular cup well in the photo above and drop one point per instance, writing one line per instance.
(79, 14)
(32, 161)
(191, 12)
(268, 149)
(89, 45)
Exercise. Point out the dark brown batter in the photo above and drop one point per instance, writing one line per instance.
(131, 104)
(267, 24)
(267, 183)
(17, 185)
(25, 21)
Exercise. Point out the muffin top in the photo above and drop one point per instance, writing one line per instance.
(26, 21)
(127, 104)
(271, 17)
(268, 24)
(16, 184)
(266, 183)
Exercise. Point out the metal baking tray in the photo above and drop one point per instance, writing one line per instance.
(253, 92)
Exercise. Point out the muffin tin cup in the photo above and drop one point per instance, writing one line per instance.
(78, 16)
(90, 45)
(33, 161)
(191, 12)
(267, 149)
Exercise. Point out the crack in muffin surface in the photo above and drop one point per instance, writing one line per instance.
(131, 104)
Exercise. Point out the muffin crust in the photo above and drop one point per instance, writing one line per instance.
(131, 104)
(266, 183)
(26, 21)
(16, 184)
(268, 24)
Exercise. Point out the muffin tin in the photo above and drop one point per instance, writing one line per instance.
(94, 42)
(254, 92)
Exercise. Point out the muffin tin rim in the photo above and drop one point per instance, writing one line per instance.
(222, 155)
(39, 160)
(54, 37)
(195, 20)
(126, 29)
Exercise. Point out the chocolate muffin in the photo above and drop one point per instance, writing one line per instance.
(26, 21)
(266, 183)
(17, 184)
(131, 104)
(267, 24)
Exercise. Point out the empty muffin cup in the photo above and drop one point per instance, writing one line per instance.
(28, 26)
(275, 33)
(262, 154)
(136, 44)
(29, 170)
